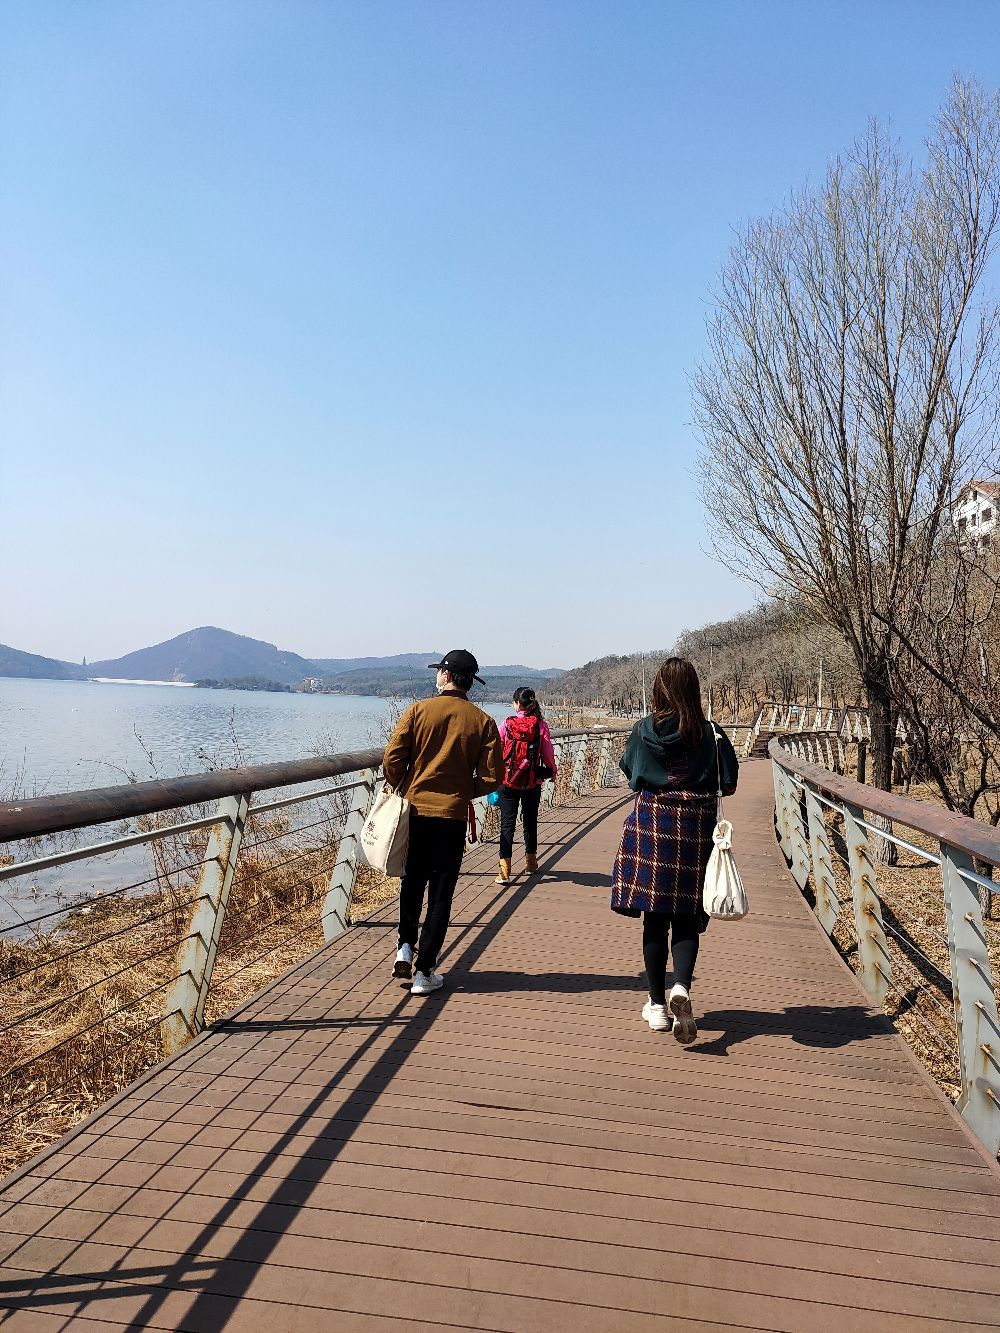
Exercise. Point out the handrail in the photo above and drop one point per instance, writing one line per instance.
(41, 815)
(104, 805)
(968, 835)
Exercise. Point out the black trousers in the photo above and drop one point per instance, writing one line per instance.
(656, 928)
(433, 861)
(529, 801)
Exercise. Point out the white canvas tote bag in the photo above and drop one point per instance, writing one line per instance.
(385, 836)
(724, 898)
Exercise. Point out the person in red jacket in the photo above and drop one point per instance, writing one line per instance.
(528, 759)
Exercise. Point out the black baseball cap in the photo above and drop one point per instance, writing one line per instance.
(460, 662)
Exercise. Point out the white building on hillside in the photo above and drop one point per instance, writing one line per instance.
(975, 513)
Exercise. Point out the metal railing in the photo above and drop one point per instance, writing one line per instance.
(233, 867)
(918, 938)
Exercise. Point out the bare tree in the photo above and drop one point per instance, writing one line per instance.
(850, 385)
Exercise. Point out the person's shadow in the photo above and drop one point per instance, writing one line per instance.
(821, 1026)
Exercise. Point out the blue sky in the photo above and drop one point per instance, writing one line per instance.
(366, 327)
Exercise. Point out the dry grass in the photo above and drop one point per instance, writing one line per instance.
(83, 1002)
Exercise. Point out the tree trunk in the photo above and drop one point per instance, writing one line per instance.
(883, 717)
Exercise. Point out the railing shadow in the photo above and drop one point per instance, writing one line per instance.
(300, 1171)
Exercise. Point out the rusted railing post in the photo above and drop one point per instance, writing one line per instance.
(185, 1001)
(874, 966)
(824, 882)
(974, 999)
(343, 876)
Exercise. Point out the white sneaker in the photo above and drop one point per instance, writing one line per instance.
(424, 983)
(403, 966)
(656, 1016)
(679, 1004)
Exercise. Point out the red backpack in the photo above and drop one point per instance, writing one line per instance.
(523, 753)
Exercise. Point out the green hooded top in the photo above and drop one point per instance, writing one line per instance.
(656, 758)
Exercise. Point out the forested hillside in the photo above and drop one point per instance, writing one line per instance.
(771, 652)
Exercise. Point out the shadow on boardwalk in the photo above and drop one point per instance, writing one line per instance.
(822, 1026)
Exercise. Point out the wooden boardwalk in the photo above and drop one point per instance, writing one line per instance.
(520, 1152)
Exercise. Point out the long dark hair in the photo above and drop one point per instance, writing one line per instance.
(677, 693)
(524, 697)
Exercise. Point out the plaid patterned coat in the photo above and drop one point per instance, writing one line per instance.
(667, 839)
(665, 846)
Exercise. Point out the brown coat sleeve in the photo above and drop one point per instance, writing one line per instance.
(399, 751)
(489, 768)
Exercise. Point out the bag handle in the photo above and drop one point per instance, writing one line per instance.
(720, 812)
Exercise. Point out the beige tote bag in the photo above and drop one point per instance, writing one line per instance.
(385, 837)
(724, 898)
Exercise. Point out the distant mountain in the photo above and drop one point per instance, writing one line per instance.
(212, 655)
(15, 663)
(336, 666)
(207, 653)
(406, 681)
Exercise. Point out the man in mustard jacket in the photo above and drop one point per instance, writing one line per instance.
(444, 752)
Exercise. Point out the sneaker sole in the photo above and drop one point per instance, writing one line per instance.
(685, 1029)
(402, 970)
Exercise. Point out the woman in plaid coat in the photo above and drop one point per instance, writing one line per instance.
(675, 762)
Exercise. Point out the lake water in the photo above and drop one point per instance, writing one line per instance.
(58, 736)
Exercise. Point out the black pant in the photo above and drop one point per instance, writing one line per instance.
(433, 861)
(529, 799)
(655, 930)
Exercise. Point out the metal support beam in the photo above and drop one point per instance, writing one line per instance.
(974, 999)
(340, 890)
(185, 1001)
(874, 967)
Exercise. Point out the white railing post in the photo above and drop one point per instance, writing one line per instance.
(824, 881)
(974, 999)
(875, 969)
(781, 808)
(343, 876)
(798, 850)
(185, 1000)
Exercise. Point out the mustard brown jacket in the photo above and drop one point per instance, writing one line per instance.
(444, 752)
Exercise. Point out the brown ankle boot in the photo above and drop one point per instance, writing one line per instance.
(531, 863)
(504, 875)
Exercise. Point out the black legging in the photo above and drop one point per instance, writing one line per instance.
(529, 800)
(655, 930)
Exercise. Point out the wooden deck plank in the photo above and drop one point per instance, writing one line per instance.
(520, 1151)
